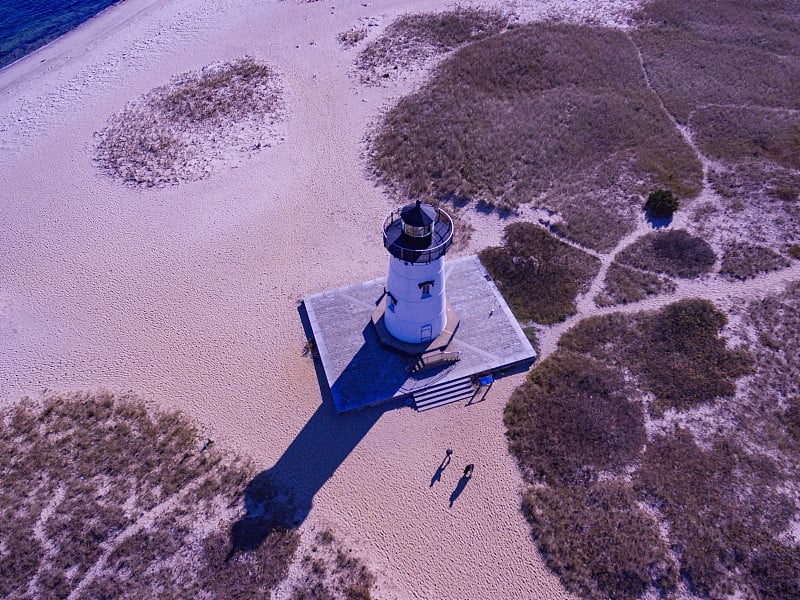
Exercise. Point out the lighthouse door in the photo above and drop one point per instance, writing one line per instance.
(425, 333)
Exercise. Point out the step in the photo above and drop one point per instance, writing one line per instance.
(446, 393)
(435, 390)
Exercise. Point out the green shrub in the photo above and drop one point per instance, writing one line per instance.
(539, 275)
(661, 203)
(674, 252)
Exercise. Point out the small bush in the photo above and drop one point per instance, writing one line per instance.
(744, 261)
(599, 541)
(661, 204)
(572, 419)
(674, 252)
(539, 275)
(793, 250)
(624, 285)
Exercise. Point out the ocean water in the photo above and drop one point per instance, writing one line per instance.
(26, 25)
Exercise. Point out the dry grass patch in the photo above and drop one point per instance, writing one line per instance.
(572, 419)
(721, 505)
(599, 541)
(674, 252)
(413, 39)
(663, 514)
(675, 353)
(539, 275)
(544, 113)
(591, 224)
(625, 284)
(97, 481)
(179, 131)
(744, 260)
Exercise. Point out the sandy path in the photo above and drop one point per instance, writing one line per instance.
(188, 294)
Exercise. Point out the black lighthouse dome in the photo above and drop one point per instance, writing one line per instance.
(418, 233)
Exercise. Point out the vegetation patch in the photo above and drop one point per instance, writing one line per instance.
(179, 131)
(661, 204)
(599, 541)
(572, 419)
(675, 353)
(412, 39)
(539, 275)
(592, 224)
(720, 504)
(104, 498)
(674, 252)
(542, 112)
(744, 261)
(625, 284)
(665, 514)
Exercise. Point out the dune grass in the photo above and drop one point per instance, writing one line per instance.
(625, 284)
(674, 252)
(676, 353)
(176, 132)
(538, 113)
(539, 275)
(744, 260)
(105, 482)
(572, 419)
(411, 39)
(625, 505)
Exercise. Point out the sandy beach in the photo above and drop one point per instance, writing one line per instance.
(188, 294)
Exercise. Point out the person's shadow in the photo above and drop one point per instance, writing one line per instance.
(437, 476)
(462, 483)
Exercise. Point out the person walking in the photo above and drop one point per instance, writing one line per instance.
(468, 470)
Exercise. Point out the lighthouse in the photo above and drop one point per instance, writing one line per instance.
(417, 236)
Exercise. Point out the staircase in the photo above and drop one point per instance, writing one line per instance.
(444, 393)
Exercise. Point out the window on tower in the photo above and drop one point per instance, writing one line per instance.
(391, 302)
(425, 289)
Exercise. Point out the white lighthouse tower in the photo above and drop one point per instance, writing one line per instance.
(417, 236)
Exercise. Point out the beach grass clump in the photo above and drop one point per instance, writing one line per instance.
(744, 260)
(178, 131)
(675, 353)
(411, 39)
(720, 503)
(626, 284)
(572, 419)
(529, 113)
(591, 223)
(104, 495)
(674, 252)
(539, 275)
(727, 53)
(599, 541)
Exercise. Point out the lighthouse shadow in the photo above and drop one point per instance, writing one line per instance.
(282, 496)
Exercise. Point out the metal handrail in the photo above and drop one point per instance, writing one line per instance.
(442, 217)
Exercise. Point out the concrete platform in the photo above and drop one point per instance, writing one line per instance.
(362, 372)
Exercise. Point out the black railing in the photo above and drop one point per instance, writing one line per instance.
(407, 249)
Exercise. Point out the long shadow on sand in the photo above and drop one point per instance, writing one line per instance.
(282, 496)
